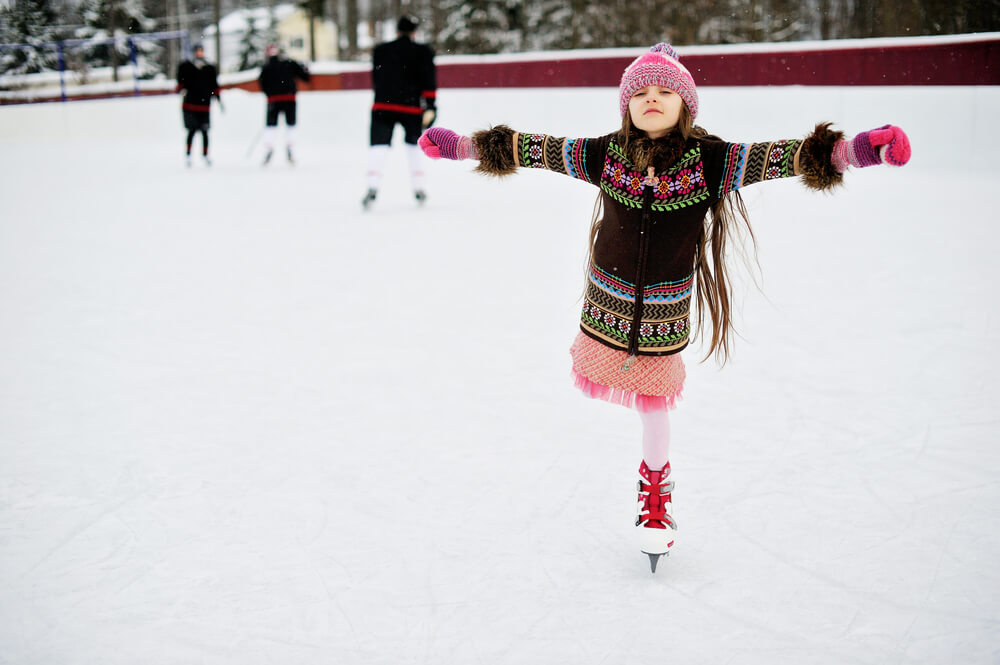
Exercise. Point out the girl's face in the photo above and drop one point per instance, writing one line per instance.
(655, 110)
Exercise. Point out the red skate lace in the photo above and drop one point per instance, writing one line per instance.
(656, 493)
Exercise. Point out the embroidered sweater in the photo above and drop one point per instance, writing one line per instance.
(639, 288)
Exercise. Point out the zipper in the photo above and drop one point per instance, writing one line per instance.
(640, 276)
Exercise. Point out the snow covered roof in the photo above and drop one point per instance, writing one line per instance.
(239, 20)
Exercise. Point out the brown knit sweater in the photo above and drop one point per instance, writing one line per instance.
(640, 281)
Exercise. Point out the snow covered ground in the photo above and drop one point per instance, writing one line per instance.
(243, 423)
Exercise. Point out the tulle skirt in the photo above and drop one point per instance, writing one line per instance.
(652, 383)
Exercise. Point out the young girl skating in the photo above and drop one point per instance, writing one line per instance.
(654, 244)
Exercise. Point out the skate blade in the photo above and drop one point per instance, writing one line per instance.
(654, 559)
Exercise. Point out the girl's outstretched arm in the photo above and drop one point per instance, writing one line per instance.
(820, 158)
(501, 151)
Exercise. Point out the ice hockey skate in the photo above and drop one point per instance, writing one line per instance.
(655, 522)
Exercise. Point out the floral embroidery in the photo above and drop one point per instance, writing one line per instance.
(532, 150)
(681, 186)
(617, 173)
(634, 185)
(684, 181)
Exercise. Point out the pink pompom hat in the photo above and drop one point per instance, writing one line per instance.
(659, 65)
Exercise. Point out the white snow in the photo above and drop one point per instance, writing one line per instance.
(239, 21)
(727, 49)
(243, 423)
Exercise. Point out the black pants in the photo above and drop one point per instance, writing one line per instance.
(194, 122)
(274, 109)
(204, 140)
(383, 122)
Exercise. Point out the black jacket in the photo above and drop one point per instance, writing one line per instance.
(198, 84)
(277, 79)
(404, 76)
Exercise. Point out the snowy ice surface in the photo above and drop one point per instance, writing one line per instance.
(243, 423)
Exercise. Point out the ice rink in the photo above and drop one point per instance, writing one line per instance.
(243, 423)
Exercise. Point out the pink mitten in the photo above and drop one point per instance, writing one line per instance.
(886, 145)
(893, 144)
(439, 142)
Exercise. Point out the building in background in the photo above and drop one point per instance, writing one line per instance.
(290, 26)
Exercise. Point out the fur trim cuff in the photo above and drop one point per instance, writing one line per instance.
(496, 151)
(815, 159)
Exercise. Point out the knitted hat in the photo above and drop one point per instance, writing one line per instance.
(658, 66)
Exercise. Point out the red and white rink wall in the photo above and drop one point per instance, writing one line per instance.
(952, 60)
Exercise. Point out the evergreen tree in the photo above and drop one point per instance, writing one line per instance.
(32, 23)
(259, 33)
(546, 25)
(118, 19)
(478, 26)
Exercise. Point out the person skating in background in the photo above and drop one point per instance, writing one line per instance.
(668, 192)
(405, 82)
(278, 80)
(199, 81)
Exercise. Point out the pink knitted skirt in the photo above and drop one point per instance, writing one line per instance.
(652, 383)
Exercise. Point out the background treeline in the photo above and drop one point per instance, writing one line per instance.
(496, 26)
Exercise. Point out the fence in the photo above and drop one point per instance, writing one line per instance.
(27, 81)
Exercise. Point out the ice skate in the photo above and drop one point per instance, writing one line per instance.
(291, 160)
(267, 156)
(208, 162)
(654, 521)
(187, 161)
(369, 199)
(421, 196)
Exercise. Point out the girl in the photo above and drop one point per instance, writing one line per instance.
(653, 243)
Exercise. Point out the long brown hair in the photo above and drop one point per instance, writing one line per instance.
(713, 287)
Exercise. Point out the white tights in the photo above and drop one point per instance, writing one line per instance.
(655, 438)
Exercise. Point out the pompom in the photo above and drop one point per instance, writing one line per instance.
(666, 48)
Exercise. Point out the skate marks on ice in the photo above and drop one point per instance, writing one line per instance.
(196, 435)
